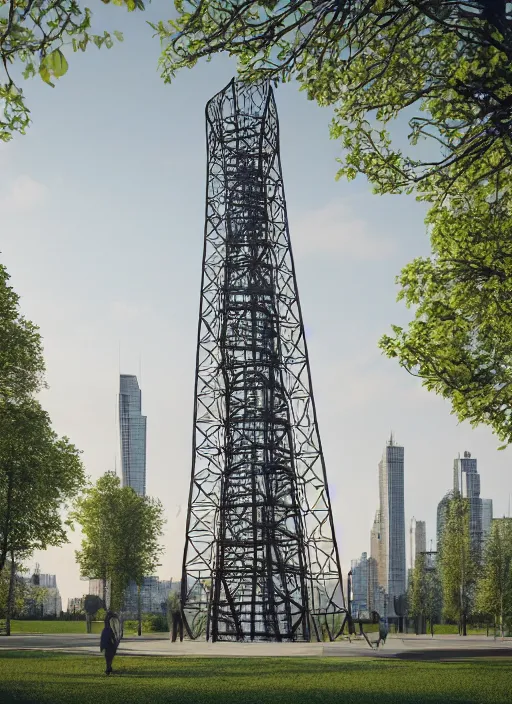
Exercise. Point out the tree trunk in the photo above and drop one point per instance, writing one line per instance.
(139, 611)
(10, 597)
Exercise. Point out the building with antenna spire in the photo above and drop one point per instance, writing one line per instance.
(392, 565)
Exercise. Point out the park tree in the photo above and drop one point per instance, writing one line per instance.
(494, 587)
(36, 36)
(21, 355)
(39, 474)
(96, 510)
(39, 471)
(425, 593)
(122, 533)
(458, 566)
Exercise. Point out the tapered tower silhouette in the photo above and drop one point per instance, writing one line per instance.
(261, 560)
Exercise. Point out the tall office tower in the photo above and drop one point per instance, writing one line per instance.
(360, 578)
(419, 540)
(391, 491)
(467, 484)
(132, 430)
(442, 508)
(486, 518)
(260, 561)
(373, 563)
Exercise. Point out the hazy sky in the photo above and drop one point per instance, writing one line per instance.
(101, 229)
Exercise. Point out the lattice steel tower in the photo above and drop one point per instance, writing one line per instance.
(260, 561)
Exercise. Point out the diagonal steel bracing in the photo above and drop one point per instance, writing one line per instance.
(260, 560)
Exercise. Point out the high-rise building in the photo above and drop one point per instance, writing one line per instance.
(442, 508)
(392, 571)
(360, 575)
(486, 518)
(418, 539)
(153, 596)
(466, 481)
(132, 427)
(373, 563)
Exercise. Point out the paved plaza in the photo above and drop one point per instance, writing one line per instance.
(401, 647)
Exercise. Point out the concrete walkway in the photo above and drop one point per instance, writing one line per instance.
(401, 647)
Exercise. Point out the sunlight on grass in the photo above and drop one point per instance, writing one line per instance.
(57, 678)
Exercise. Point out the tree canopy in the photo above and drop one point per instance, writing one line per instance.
(36, 35)
(460, 340)
(444, 66)
(443, 71)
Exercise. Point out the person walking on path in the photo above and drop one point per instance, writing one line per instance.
(109, 641)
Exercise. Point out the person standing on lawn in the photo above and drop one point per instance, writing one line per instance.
(109, 640)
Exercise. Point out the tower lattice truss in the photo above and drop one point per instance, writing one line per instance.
(261, 561)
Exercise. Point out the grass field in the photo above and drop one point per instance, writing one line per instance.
(53, 678)
(63, 627)
(53, 627)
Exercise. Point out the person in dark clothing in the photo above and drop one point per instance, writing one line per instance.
(109, 641)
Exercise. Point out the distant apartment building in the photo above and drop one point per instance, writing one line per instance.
(132, 431)
(75, 604)
(43, 597)
(392, 566)
(153, 596)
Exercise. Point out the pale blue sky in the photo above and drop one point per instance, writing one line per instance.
(101, 228)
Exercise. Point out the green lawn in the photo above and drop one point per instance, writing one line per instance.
(64, 627)
(53, 627)
(53, 678)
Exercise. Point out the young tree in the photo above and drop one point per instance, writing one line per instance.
(425, 597)
(39, 474)
(458, 567)
(494, 588)
(35, 34)
(121, 531)
(96, 511)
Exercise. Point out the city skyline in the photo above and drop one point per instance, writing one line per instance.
(144, 243)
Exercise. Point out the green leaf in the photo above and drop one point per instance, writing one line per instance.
(54, 64)
(45, 75)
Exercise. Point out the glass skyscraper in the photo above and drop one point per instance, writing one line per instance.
(132, 427)
(466, 482)
(392, 570)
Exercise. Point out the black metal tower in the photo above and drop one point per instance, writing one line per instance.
(260, 560)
